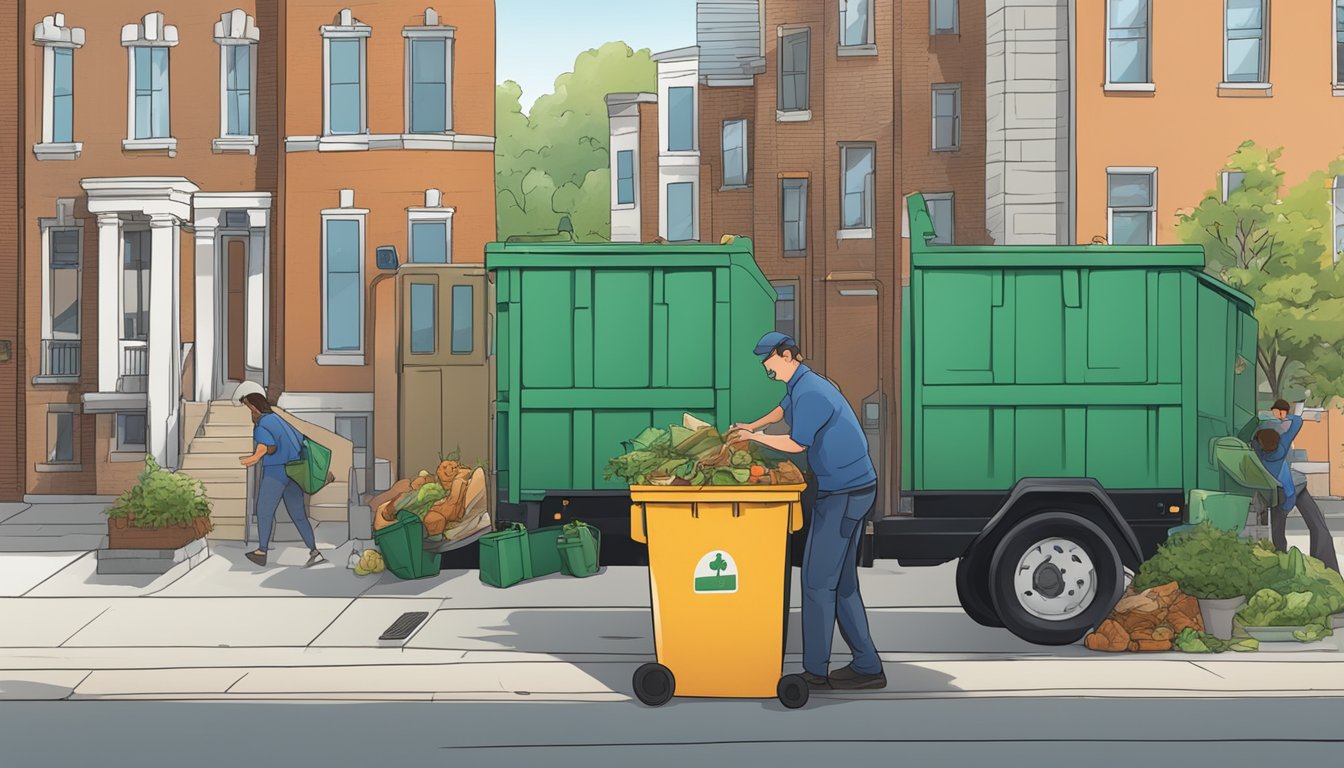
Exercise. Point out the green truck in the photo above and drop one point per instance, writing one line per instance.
(1059, 407)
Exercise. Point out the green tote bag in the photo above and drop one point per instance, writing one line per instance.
(311, 468)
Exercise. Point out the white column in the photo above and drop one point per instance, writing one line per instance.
(173, 446)
(207, 307)
(256, 291)
(109, 301)
(162, 357)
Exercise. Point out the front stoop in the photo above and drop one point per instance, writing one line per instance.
(152, 561)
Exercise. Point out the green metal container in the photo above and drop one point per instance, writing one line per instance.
(505, 556)
(403, 547)
(1114, 363)
(1227, 511)
(543, 552)
(596, 342)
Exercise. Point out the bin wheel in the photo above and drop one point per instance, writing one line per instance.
(792, 691)
(654, 684)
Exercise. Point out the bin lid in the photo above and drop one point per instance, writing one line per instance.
(1238, 460)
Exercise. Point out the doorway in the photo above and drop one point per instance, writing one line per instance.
(235, 309)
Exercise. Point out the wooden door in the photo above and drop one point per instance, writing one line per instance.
(235, 319)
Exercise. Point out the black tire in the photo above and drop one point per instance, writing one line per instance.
(973, 588)
(1107, 577)
(792, 691)
(654, 684)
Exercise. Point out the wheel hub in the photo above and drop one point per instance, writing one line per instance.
(1048, 580)
(1055, 579)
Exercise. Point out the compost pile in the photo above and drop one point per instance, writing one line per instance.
(1294, 590)
(451, 502)
(694, 453)
(1150, 620)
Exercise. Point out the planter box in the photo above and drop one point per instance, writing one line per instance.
(122, 534)
(152, 561)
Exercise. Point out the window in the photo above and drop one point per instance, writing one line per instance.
(131, 432)
(1127, 41)
(429, 242)
(793, 72)
(857, 207)
(946, 117)
(1244, 59)
(430, 79)
(855, 22)
(1339, 42)
(735, 153)
(1337, 195)
(135, 286)
(58, 43)
(941, 213)
(680, 211)
(786, 309)
(343, 281)
(345, 87)
(60, 337)
(238, 85)
(1131, 203)
(237, 36)
(60, 437)
(1232, 181)
(423, 336)
(63, 95)
(680, 119)
(943, 17)
(151, 92)
(464, 319)
(625, 177)
(793, 201)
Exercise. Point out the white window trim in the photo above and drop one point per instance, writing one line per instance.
(346, 28)
(120, 447)
(236, 27)
(46, 226)
(47, 466)
(783, 220)
(955, 89)
(1147, 87)
(616, 204)
(1263, 84)
(343, 356)
(956, 20)
(858, 233)
(694, 149)
(1222, 183)
(695, 211)
(793, 115)
(1336, 200)
(150, 32)
(1151, 170)
(869, 45)
(433, 216)
(746, 158)
(950, 197)
(446, 34)
(1337, 84)
(51, 33)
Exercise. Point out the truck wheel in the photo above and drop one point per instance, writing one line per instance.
(973, 589)
(1054, 577)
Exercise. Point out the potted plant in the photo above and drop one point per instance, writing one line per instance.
(164, 510)
(1217, 567)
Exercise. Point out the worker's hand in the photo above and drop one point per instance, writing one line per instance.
(742, 427)
(744, 434)
(246, 461)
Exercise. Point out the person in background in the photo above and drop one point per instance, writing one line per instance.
(1274, 446)
(823, 425)
(278, 443)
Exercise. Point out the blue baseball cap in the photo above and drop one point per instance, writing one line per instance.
(771, 340)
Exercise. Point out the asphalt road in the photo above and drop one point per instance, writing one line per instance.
(986, 732)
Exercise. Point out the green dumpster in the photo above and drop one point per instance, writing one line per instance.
(403, 546)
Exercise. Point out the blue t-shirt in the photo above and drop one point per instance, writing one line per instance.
(271, 430)
(1277, 464)
(820, 420)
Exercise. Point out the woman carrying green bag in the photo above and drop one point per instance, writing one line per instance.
(278, 443)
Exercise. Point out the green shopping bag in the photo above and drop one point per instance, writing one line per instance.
(311, 468)
(579, 546)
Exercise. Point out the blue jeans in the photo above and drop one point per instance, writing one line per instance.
(277, 486)
(831, 582)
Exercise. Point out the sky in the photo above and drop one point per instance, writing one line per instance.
(537, 40)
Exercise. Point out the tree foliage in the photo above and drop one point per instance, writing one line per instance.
(553, 162)
(1278, 246)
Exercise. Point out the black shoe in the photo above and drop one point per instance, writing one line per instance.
(257, 557)
(314, 558)
(846, 679)
(816, 682)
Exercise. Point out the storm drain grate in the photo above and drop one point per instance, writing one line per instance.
(404, 626)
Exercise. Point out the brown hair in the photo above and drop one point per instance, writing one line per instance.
(258, 401)
(1268, 440)
(1282, 405)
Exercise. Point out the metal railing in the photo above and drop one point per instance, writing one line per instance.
(60, 358)
(134, 359)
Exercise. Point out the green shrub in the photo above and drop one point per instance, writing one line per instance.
(1206, 562)
(161, 498)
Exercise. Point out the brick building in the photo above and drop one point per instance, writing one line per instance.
(805, 125)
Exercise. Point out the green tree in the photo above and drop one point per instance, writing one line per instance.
(718, 565)
(1279, 249)
(553, 160)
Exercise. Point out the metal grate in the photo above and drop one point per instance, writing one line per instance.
(404, 626)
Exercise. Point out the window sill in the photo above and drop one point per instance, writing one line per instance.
(150, 145)
(795, 254)
(225, 144)
(856, 51)
(58, 150)
(340, 360)
(946, 149)
(793, 116)
(1338, 89)
(734, 187)
(624, 207)
(125, 456)
(55, 468)
(363, 142)
(67, 380)
(1246, 90)
(854, 234)
(1130, 87)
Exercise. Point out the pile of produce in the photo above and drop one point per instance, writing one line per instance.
(1207, 562)
(695, 453)
(451, 502)
(1149, 620)
(1294, 590)
(369, 561)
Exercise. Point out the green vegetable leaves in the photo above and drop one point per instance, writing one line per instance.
(1206, 562)
(1293, 590)
(1191, 640)
(1312, 632)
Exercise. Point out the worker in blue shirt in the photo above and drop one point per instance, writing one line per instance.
(1274, 446)
(823, 425)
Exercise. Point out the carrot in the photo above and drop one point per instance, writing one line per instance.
(757, 470)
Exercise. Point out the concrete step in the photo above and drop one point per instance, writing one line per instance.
(234, 446)
(333, 493)
(235, 474)
(198, 461)
(329, 513)
(226, 489)
(228, 414)
(227, 430)
(224, 508)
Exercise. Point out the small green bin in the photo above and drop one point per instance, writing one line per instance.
(506, 557)
(403, 546)
(1227, 511)
(544, 552)
(580, 547)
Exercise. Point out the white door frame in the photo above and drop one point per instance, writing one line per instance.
(213, 224)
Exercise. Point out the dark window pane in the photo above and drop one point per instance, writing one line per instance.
(680, 214)
(423, 341)
(625, 177)
(429, 242)
(680, 119)
(464, 319)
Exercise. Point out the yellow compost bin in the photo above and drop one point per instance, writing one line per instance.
(718, 579)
